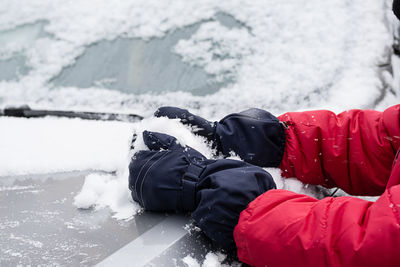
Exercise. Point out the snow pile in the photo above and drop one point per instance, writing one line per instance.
(112, 191)
(47, 145)
(174, 128)
(211, 260)
(34, 146)
(55, 145)
(101, 191)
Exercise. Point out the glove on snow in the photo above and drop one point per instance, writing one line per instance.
(255, 135)
(171, 177)
(164, 177)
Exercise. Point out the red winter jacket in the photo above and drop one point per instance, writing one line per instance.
(354, 150)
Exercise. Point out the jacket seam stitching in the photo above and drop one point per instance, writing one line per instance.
(140, 172)
(145, 175)
(325, 219)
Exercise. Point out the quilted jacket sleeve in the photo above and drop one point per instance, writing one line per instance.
(282, 228)
(353, 150)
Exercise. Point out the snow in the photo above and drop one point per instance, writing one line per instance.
(106, 190)
(112, 191)
(281, 56)
(33, 243)
(54, 145)
(101, 191)
(233, 46)
(15, 188)
(211, 260)
(190, 261)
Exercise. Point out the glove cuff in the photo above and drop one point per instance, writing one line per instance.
(256, 135)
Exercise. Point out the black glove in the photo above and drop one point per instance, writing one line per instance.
(255, 135)
(396, 8)
(170, 177)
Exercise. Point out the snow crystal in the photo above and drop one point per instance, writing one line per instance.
(33, 243)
